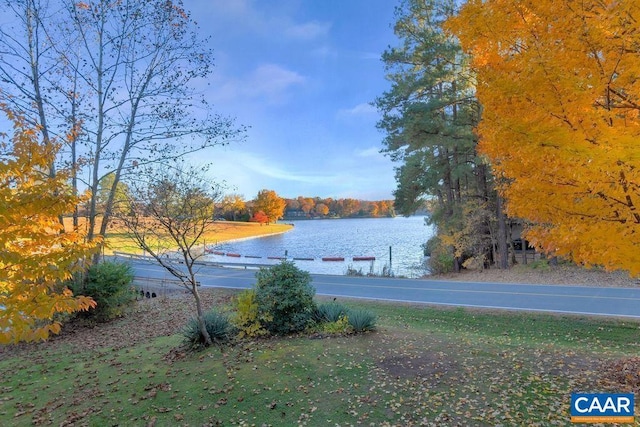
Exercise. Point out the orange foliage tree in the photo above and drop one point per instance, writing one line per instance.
(322, 209)
(270, 204)
(260, 217)
(35, 257)
(558, 81)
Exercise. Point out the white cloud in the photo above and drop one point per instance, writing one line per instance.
(268, 168)
(324, 51)
(259, 166)
(363, 109)
(250, 17)
(273, 80)
(270, 83)
(247, 173)
(308, 30)
(371, 152)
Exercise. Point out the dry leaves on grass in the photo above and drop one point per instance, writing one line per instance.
(148, 319)
(622, 375)
(432, 381)
(564, 274)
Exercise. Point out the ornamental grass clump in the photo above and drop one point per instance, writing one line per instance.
(361, 320)
(329, 312)
(335, 318)
(218, 326)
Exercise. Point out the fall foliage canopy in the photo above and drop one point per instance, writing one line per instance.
(560, 89)
(260, 217)
(270, 204)
(35, 257)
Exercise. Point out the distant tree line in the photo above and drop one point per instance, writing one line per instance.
(316, 207)
(269, 207)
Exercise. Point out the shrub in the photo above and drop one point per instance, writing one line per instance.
(339, 326)
(334, 318)
(361, 320)
(329, 312)
(352, 271)
(246, 317)
(441, 260)
(285, 298)
(110, 286)
(218, 325)
(540, 264)
(387, 271)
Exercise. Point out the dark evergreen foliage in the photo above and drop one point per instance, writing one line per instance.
(285, 296)
(110, 286)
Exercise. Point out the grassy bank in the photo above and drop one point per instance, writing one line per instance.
(118, 239)
(424, 366)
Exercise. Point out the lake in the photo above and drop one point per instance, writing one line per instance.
(340, 238)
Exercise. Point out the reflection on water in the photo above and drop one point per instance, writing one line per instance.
(394, 242)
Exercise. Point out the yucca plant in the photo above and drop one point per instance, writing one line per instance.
(329, 312)
(361, 320)
(218, 325)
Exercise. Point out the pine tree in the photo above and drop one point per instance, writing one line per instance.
(429, 115)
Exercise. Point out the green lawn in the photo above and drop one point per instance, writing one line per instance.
(423, 366)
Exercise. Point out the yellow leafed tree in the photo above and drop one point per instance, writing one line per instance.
(35, 258)
(559, 82)
(270, 204)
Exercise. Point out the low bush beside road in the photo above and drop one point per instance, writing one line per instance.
(110, 284)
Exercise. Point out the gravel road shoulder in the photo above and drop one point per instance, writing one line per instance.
(546, 275)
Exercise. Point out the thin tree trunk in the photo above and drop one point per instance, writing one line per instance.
(450, 198)
(503, 249)
(512, 249)
(203, 326)
(95, 178)
(34, 59)
(123, 156)
(74, 142)
(188, 262)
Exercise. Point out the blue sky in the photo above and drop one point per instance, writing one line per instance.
(301, 74)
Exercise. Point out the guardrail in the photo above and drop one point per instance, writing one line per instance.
(199, 262)
(326, 258)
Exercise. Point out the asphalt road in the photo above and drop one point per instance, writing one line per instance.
(622, 302)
